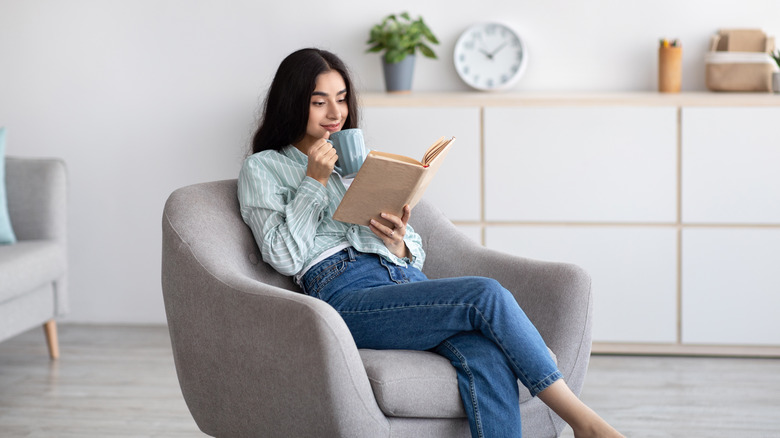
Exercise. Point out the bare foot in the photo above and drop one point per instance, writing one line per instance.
(584, 422)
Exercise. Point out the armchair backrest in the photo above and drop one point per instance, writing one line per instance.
(207, 217)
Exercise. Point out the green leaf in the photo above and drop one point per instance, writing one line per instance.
(394, 56)
(375, 49)
(427, 51)
(406, 16)
(429, 35)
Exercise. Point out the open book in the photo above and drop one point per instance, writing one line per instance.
(386, 182)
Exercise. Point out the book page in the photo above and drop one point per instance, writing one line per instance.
(435, 150)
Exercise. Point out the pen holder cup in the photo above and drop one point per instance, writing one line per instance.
(669, 69)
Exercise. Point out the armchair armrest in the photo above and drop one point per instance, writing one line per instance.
(556, 296)
(258, 360)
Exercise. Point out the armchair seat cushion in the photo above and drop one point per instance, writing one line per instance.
(416, 384)
(28, 264)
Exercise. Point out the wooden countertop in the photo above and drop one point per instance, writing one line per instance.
(498, 99)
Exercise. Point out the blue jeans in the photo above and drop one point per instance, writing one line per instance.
(472, 321)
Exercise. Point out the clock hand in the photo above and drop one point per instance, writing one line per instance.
(482, 48)
(496, 51)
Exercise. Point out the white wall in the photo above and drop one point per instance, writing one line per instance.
(143, 96)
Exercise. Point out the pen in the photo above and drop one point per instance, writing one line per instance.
(667, 43)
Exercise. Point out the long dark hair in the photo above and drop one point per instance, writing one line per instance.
(286, 107)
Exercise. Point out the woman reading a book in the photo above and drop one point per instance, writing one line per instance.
(371, 275)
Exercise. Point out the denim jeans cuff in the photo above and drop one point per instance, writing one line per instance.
(544, 383)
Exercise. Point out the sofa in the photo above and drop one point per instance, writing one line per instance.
(33, 270)
(255, 357)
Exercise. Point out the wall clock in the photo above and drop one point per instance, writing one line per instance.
(490, 56)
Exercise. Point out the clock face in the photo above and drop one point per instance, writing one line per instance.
(490, 56)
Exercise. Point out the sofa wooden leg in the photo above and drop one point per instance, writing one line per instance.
(50, 328)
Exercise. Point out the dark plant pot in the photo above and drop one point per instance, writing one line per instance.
(398, 76)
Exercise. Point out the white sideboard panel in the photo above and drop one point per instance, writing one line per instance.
(731, 165)
(409, 131)
(633, 271)
(731, 292)
(582, 164)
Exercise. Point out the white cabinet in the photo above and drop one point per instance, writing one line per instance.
(581, 164)
(409, 131)
(671, 201)
(731, 165)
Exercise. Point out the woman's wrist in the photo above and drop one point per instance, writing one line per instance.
(405, 253)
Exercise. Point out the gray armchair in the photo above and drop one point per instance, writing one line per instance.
(33, 270)
(255, 357)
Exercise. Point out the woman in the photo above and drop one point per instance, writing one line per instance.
(371, 275)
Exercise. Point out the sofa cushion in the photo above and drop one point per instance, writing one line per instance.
(6, 232)
(28, 265)
(417, 384)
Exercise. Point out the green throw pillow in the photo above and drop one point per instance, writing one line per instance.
(6, 232)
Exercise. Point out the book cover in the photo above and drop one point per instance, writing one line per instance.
(386, 182)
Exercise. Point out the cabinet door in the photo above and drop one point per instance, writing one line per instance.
(731, 294)
(731, 165)
(585, 164)
(409, 131)
(633, 272)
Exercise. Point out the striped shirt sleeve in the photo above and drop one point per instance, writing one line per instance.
(283, 221)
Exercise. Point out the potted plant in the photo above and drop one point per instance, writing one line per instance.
(400, 38)
(776, 75)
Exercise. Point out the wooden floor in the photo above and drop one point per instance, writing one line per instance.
(117, 381)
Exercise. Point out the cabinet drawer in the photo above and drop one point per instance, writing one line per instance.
(633, 272)
(731, 294)
(731, 165)
(584, 164)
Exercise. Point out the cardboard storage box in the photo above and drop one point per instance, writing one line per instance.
(739, 60)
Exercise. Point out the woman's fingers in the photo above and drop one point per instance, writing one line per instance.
(322, 160)
(382, 230)
(393, 235)
(406, 215)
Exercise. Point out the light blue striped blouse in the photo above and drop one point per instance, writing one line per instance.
(291, 215)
